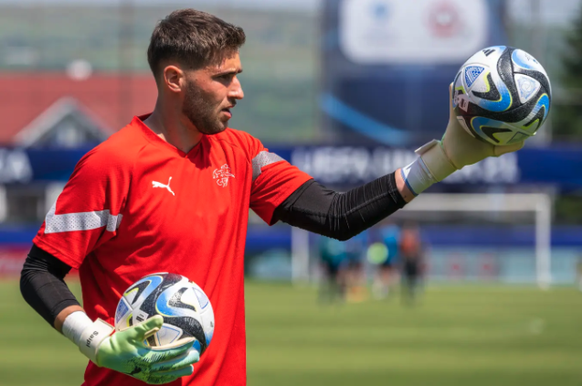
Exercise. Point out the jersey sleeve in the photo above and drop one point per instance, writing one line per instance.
(274, 179)
(88, 211)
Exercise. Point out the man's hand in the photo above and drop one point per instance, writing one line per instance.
(125, 351)
(457, 148)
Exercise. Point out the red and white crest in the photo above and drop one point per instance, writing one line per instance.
(222, 175)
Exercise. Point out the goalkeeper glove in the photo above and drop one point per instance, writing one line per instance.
(457, 148)
(125, 351)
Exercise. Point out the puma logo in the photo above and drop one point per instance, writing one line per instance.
(156, 184)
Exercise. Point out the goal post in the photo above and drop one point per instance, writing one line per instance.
(538, 203)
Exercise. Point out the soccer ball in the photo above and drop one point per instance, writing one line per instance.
(501, 95)
(185, 307)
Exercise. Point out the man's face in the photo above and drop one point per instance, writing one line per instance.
(211, 93)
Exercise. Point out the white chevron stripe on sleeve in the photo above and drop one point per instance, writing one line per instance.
(262, 159)
(83, 221)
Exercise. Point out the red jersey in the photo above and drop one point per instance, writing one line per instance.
(136, 205)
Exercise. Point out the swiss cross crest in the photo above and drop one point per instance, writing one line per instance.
(222, 175)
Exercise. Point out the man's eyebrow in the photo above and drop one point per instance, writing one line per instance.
(229, 71)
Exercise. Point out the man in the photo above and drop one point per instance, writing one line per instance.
(412, 251)
(171, 192)
(355, 274)
(386, 271)
(333, 258)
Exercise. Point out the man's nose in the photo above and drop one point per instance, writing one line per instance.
(236, 90)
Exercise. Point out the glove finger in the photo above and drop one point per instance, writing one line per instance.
(451, 99)
(500, 150)
(164, 354)
(191, 357)
(141, 330)
(160, 378)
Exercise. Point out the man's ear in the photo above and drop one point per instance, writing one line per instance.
(173, 78)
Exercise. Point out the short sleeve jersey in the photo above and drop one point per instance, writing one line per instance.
(136, 205)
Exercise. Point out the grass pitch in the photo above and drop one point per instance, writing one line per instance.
(469, 336)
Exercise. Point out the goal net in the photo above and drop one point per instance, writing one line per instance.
(500, 237)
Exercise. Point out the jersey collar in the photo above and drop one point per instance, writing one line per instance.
(159, 142)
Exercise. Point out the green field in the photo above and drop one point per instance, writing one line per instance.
(469, 336)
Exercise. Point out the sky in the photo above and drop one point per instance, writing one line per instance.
(551, 11)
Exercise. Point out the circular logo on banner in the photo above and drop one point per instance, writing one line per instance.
(380, 11)
(443, 19)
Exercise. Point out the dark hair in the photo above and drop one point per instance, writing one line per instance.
(194, 39)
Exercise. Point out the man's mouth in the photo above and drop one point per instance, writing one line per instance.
(227, 111)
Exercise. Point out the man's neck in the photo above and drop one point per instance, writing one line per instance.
(169, 128)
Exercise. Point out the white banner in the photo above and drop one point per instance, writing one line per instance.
(419, 31)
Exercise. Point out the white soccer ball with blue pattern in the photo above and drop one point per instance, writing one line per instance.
(502, 95)
(185, 307)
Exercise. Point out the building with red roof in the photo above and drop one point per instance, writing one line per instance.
(53, 108)
(41, 110)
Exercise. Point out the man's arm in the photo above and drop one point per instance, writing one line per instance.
(457, 149)
(60, 319)
(43, 287)
(403, 189)
(343, 215)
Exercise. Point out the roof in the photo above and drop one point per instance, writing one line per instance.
(111, 99)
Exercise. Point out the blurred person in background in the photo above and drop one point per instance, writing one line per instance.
(171, 192)
(334, 260)
(355, 273)
(412, 255)
(387, 273)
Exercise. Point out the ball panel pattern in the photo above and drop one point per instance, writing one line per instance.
(186, 309)
(502, 95)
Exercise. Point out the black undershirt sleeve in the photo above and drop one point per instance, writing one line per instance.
(315, 208)
(42, 284)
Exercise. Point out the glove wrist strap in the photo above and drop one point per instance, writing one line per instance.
(86, 334)
(436, 160)
(92, 337)
(432, 166)
(417, 176)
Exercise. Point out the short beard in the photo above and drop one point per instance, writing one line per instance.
(200, 114)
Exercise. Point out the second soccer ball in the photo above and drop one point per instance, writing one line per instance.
(185, 307)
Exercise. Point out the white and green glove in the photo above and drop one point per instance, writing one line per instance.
(457, 148)
(125, 351)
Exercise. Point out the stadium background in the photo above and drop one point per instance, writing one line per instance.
(319, 94)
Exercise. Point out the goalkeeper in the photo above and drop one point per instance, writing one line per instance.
(171, 192)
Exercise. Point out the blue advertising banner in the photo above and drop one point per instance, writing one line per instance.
(28, 165)
(387, 64)
(560, 166)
